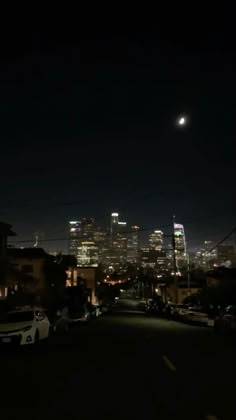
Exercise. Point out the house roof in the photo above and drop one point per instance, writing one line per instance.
(30, 253)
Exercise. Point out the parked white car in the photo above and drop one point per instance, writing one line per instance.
(23, 327)
(196, 315)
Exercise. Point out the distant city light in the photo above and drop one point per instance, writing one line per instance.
(73, 223)
(115, 214)
(122, 223)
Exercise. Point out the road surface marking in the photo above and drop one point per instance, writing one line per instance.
(211, 418)
(169, 364)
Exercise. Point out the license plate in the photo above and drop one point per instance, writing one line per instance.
(6, 340)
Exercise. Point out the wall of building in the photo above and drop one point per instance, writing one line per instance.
(33, 268)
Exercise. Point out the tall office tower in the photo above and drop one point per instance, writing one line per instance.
(118, 242)
(87, 228)
(74, 237)
(114, 222)
(102, 241)
(122, 240)
(87, 255)
(180, 243)
(156, 240)
(133, 245)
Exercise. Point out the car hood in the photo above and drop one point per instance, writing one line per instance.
(14, 326)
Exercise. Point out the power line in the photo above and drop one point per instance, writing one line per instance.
(82, 237)
(222, 240)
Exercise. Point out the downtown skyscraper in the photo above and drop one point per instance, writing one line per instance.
(81, 242)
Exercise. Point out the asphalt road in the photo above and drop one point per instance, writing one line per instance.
(122, 366)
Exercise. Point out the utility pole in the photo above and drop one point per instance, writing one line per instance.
(175, 264)
(188, 273)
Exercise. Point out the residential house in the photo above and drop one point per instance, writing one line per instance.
(5, 279)
(30, 263)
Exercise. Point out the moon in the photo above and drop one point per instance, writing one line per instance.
(182, 121)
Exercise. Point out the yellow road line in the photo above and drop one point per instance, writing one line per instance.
(168, 363)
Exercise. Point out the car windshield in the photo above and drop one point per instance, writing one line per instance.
(17, 317)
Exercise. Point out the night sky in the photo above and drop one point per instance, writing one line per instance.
(88, 127)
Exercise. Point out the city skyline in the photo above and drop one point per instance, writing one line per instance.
(58, 240)
(96, 126)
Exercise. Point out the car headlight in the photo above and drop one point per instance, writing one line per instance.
(27, 328)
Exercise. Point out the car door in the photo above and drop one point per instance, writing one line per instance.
(42, 324)
(230, 318)
(227, 317)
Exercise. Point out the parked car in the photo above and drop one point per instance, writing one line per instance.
(154, 307)
(196, 315)
(179, 311)
(78, 313)
(106, 308)
(168, 310)
(60, 321)
(94, 310)
(23, 327)
(225, 321)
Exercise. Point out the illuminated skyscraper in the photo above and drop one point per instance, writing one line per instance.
(118, 242)
(180, 243)
(114, 222)
(133, 245)
(87, 228)
(87, 255)
(74, 237)
(102, 239)
(82, 242)
(156, 240)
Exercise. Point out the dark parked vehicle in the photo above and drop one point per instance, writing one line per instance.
(179, 311)
(154, 307)
(79, 313)
(59, 322)
(94, 310)
(106, 308)
(225, 321)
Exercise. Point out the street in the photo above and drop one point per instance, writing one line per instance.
(124, 365)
